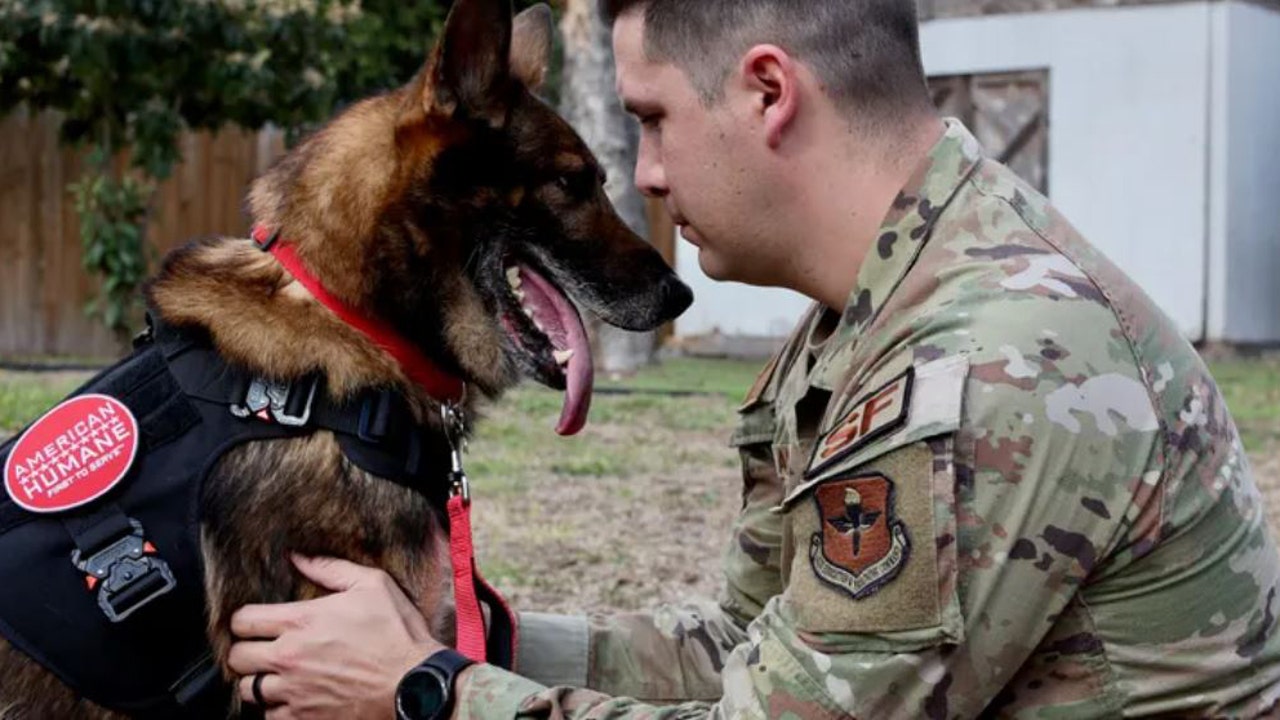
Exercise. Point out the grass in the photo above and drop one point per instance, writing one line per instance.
(516, 442)
(24, 397)
(1252, 390)
(731, 378)
(518, 437)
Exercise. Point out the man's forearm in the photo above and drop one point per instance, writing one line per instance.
(486, 692)
(673, 654)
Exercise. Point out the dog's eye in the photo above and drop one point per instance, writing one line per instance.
(578, 185)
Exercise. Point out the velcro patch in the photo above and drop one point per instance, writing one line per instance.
(862, 545)
(866, 554)
(874, 416)
(73, 455)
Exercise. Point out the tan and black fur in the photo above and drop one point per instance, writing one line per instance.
(407, 205)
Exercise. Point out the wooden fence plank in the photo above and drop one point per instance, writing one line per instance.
(43, 288)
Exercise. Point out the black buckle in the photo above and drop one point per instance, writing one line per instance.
(127, 574)
(288, 404)
(267, 244)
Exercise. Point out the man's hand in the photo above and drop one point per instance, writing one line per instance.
(339, 656)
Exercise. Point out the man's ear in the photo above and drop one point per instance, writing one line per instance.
(469, 69)
(771, 77)
(531, 46)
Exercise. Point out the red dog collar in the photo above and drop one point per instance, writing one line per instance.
(440, 385)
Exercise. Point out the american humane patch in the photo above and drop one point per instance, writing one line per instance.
(73, 455)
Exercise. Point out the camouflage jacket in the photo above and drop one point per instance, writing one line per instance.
(999, 484)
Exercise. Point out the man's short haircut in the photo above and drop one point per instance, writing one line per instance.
(866, 53)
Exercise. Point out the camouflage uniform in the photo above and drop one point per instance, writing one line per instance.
(999, 484)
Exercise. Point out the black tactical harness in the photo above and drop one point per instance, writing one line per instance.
(109, 597)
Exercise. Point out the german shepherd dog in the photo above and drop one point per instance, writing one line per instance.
(461, 211)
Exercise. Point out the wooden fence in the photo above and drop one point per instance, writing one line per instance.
(43, 288)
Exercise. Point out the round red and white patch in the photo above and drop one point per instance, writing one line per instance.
(73, 455)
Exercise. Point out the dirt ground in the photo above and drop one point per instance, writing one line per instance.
(620, 541)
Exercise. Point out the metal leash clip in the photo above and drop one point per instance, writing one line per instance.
(455, 433)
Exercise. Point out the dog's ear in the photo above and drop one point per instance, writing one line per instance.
(531, 46)
(469, 70)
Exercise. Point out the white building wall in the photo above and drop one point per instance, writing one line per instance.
(1128, 129)
(732, 308)
(1244, 237)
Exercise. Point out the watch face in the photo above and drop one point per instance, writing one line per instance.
(421, 696)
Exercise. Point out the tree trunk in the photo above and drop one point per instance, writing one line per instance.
(590, 103)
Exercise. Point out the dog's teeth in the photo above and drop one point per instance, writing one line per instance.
(518, 293)
(538, 325)
(513, 278)
(527, 312)
(563, 356)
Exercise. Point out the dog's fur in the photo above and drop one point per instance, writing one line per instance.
(408, 205)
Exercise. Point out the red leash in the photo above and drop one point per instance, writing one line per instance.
(471, 635)
(446, 390)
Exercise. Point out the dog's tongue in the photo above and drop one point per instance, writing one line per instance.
(561, 322)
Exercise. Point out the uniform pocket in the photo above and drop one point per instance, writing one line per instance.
(755, 424)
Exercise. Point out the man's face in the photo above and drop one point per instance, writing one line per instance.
(698, 160)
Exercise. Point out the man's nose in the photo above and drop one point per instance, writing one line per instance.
(651, 177)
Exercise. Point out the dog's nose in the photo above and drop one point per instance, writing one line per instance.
(676, 297)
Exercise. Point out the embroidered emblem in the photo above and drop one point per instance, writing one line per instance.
(862, 545)
(874, 416)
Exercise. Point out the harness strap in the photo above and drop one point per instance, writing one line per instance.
(97, 528)
(376, 429)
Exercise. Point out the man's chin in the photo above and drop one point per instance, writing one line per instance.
(714, 267)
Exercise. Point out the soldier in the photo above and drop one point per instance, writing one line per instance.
(985, 477)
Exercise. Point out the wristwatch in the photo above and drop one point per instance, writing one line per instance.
(426, 692)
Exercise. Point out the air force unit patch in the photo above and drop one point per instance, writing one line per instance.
(877, 414)
(862, 544)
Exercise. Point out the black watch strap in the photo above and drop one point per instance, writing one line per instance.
(446, 665)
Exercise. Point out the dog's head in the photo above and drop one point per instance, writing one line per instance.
(465, 211)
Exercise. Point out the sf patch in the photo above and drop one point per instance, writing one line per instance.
(861, 545)
(875, 415)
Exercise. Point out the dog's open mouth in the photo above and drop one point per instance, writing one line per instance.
(547, 329)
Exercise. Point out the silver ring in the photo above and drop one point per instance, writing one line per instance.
(257, 690)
